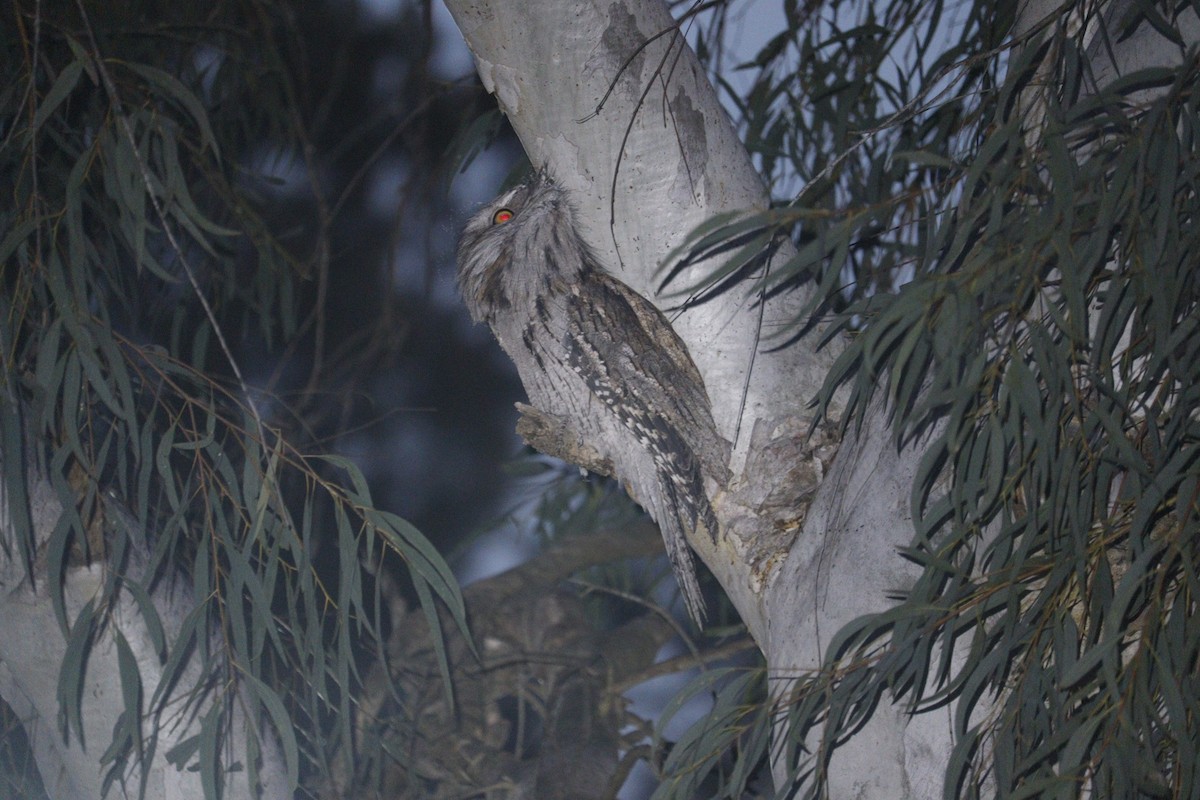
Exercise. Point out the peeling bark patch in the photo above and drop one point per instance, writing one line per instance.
(688, 122)
(506, 87)
(621, 40)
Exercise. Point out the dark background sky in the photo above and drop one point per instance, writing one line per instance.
(386, 91)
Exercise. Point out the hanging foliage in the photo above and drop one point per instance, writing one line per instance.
(136, 262)
(1005, 231)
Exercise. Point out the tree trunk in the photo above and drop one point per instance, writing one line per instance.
(795, 581)
(33, 646)
(610, 98)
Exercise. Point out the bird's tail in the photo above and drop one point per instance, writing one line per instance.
(687, 509)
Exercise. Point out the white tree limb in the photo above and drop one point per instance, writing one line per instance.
(663, 140)
(609, 95)
(33, 647)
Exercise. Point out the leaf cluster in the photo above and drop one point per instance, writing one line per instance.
(134, 251)
(1017, 227)
(860, 115)
(1046, 350)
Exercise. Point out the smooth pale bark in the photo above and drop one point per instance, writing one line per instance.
(666, 144)
(32, 648)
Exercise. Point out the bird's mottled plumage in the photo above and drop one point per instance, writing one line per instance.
(598, 358)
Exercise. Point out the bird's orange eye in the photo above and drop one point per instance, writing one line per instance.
(503, 215)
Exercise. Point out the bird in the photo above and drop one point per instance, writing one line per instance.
(599, 360)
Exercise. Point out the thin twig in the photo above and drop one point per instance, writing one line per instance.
(685, 662)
